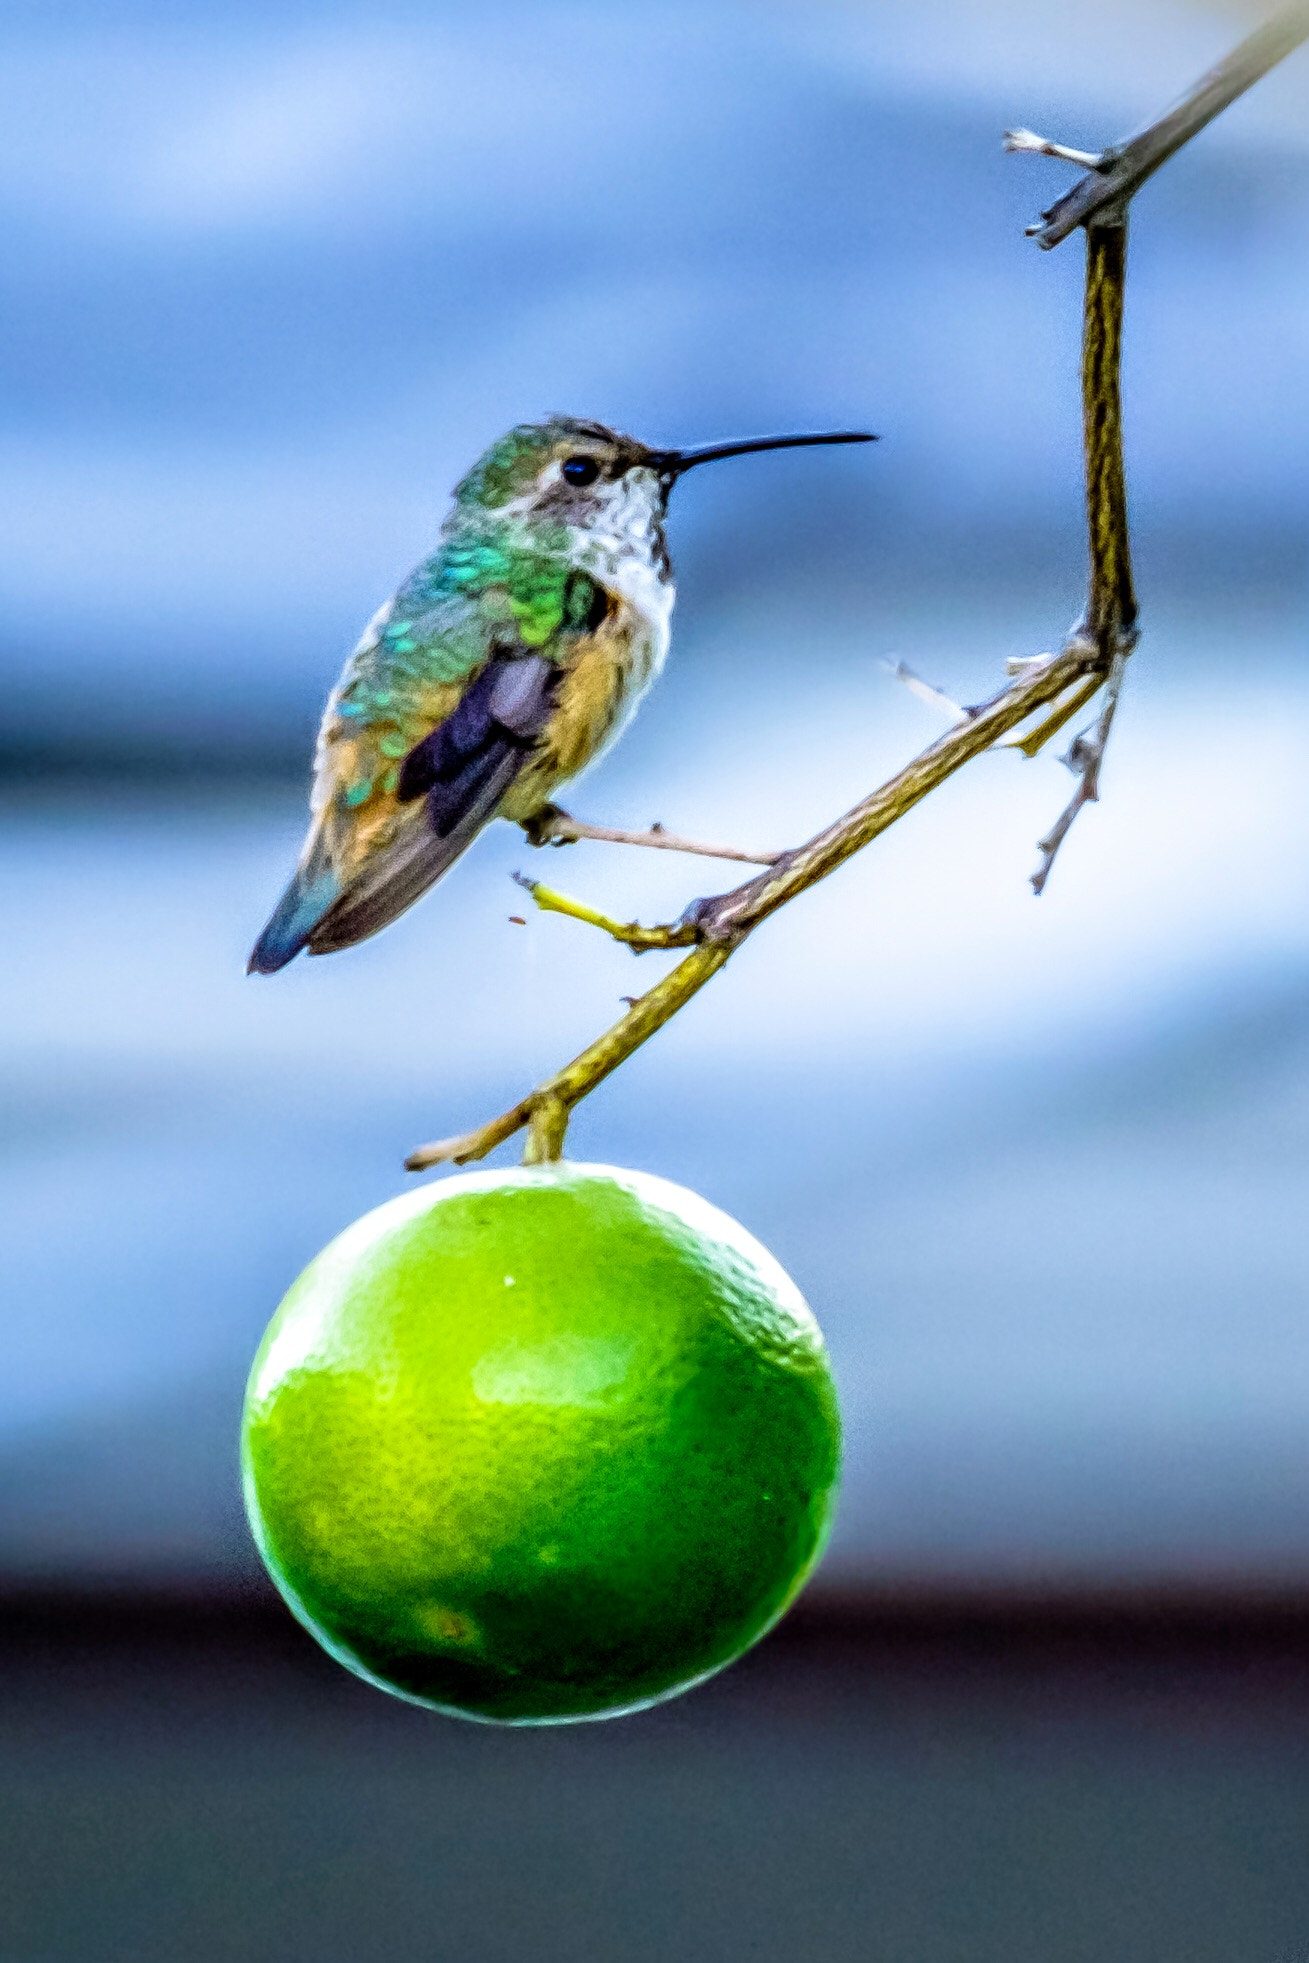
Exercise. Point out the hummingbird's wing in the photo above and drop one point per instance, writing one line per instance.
(460, 771)
(438, 709)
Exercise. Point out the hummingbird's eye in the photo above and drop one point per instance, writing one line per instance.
(580, 470)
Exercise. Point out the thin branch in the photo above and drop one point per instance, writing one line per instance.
(568, 1086)
(721, 924)
(734, 914)
(686, 931)
(1085, 755)
(1099, 203)
(556, 827)
(642, 940)
(1110, 618)
(1035, 741)
(1121, 171)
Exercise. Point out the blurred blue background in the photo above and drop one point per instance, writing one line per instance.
(273, 275)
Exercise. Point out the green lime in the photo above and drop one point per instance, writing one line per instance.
(541, 1444)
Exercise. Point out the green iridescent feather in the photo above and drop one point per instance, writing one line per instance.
(510, 467)
(493, 571)
(487, 583)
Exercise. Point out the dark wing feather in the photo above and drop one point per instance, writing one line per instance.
(463, 769)
(497, 719)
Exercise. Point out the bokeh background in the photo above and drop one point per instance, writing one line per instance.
(272, 276)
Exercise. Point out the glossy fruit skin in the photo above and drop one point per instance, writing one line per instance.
(542, 1444)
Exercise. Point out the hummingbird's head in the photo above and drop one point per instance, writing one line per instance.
(565, 469)
(584, 474)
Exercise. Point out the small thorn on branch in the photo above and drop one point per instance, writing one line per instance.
(1041, 146)
(936, 698)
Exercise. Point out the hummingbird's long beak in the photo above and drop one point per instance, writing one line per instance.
(672, 463)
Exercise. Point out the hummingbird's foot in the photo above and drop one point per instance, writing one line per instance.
(551, 825)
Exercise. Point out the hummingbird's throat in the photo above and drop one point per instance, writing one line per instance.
(623, 528)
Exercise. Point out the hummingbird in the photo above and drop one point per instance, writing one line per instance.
(509, 659)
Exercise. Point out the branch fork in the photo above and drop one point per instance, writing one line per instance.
(1115, 176)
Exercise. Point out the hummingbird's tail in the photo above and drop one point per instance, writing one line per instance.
(338, 897)
(314, 890)
(362, 867)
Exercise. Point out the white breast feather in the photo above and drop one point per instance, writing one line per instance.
(624, 551)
